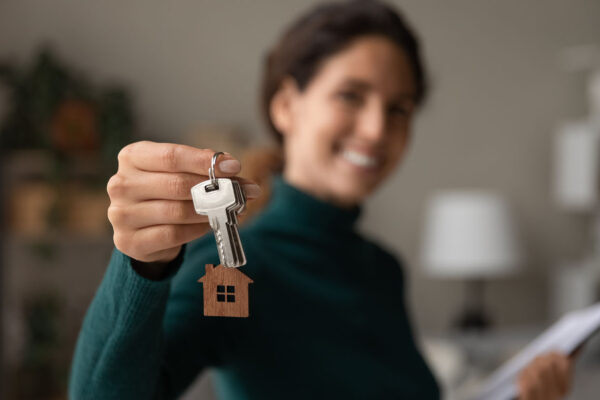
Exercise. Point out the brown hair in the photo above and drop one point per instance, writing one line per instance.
(320, 33)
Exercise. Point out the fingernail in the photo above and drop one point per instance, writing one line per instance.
(252, 190)
(230, 166)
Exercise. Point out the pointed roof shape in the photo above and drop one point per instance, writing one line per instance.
(224, 273)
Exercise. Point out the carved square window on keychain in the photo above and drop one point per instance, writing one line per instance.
(225, 286)
(230, 298)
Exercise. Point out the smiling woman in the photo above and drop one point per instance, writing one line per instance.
(328, 315)
(352, 120)
(350, 114)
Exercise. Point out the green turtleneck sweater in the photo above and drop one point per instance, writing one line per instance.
(327, 318)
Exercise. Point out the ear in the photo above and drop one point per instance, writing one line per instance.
(282, 106)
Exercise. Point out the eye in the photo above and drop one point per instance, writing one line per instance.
(350, 97)
(397, 110)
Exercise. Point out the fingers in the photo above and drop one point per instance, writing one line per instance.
(171, 157)
(138, 186)
(529, 385)
(154, 186)
(166, 255)
(559, 372)
(143, 243)
(566, 366)
(546, 377)
(558, 367)
(154, 212)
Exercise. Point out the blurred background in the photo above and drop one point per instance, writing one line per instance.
(511, 129)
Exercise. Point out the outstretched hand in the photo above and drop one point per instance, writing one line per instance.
(151, 208)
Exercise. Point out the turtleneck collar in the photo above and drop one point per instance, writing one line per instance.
(298, 207)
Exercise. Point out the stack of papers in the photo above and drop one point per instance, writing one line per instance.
(565, 336)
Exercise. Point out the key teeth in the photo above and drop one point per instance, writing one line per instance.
(220, 247)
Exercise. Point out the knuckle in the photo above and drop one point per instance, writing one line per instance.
(175, 211)
(125, 153)
(112, 215)
(168, 234)
(169, 157)
(117, 215)
(115, 186)
(121, 242)
(177, 186)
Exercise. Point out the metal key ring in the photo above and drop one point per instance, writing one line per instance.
(211, 171)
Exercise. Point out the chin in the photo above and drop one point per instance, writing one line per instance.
(354, 191)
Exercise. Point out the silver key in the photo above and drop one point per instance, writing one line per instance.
(221, 200)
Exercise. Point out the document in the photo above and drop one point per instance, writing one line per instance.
(565, 336)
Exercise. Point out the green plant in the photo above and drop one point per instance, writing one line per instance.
(55, 109)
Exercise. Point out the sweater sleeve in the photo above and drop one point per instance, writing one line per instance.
(140, 338)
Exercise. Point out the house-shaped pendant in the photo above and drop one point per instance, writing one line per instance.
(225, 292)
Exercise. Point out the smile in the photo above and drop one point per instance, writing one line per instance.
(359, 159)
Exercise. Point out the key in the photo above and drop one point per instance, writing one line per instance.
(222, 204)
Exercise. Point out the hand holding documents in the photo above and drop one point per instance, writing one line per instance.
(565, 336)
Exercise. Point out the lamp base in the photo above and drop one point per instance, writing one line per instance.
(472, 321)
(473, 317)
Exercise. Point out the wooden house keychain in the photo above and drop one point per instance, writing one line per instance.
(225, 286)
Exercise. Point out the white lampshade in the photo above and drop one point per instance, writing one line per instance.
(470, 234)
(576, 154)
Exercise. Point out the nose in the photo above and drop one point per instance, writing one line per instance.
(372, 121)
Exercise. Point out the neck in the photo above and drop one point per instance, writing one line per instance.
(304, 183)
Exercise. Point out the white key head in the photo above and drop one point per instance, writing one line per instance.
(213, 200)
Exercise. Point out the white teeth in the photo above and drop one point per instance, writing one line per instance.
(359, 159)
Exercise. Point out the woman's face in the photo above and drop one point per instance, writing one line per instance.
(350, 126)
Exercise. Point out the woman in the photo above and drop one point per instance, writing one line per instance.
(327, 315)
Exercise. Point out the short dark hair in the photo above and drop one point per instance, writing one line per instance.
(326, 30)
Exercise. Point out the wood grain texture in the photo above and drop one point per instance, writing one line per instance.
(225, 292)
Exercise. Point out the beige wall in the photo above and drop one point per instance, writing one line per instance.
(497, 97)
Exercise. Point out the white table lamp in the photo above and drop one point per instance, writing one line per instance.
(471, 235)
